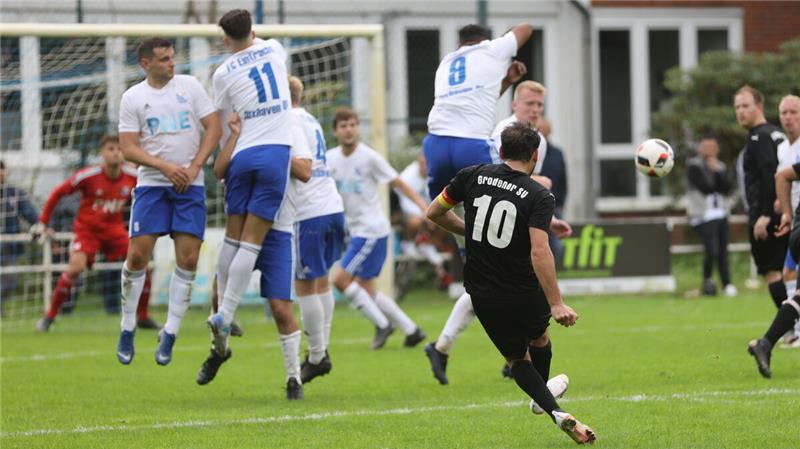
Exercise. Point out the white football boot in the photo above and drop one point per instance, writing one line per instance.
(576, 430)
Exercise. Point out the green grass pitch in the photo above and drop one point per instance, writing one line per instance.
(646, 372)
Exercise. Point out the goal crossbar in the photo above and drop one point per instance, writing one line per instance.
(183, 30)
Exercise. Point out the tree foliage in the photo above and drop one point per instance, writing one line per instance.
(702, 101)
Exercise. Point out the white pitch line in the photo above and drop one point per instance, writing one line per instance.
(110, 352)
(697, 396)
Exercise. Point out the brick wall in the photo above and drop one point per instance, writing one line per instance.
(766, 23)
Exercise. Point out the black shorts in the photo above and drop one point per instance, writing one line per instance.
(512, 323)
(769, 254)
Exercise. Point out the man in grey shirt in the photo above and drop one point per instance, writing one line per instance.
(708, 213)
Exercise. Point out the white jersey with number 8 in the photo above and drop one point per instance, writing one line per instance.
(467, 87)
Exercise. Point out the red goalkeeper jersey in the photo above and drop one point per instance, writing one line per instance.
(102, 198)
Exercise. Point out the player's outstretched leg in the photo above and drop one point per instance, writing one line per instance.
(579, 432)
(210, 367)
(308, 370)
(132, 286)
(398, 318)
(529, 380)
(558, 386)
(438, 353)
(180, 295)
(438, 363)
(761, 349)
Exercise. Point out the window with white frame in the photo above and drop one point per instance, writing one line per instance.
(633, 49)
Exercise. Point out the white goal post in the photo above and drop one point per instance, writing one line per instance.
(33, 151)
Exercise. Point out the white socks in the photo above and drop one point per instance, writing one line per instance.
(460, 317)
(132, 286)
(313, 315)
(180, 295)
(290, 347)
(360, 300)
(226, 253)
(326, 299)
(239, 274)
(395, 313)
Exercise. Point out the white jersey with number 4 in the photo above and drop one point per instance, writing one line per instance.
(254, 84)
(317, 197)
(358, 178)
(168, 123)
(467, 87)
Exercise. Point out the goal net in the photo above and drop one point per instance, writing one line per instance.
(61, 86)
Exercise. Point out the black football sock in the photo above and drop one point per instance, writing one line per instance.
(532, 383)
(784, 320)
(777, 290)
(541, 359)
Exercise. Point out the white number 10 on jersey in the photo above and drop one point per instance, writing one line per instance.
(501, 221)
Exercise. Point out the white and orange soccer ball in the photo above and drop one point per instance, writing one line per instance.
(655, 158)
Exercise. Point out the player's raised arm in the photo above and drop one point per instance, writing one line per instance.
(409, 193)
(545, 268)
(522, 32)
(440, 213)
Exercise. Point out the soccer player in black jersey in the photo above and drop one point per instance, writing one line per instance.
(509, 269)
(760, 162)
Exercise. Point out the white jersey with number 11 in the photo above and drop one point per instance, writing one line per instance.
(254, 84)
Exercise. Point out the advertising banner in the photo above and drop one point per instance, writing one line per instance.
(616, 257)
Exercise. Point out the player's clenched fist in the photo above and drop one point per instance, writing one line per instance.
(564, 315)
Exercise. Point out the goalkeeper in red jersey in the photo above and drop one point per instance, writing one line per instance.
(105, 190)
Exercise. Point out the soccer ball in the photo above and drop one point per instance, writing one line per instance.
(654, 158)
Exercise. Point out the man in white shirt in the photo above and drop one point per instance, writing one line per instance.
(788, 155)
(252, 82)
(527, 107)
(160, 130)
(467, 85)
(359, 171)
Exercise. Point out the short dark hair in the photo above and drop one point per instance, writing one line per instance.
(472, 33)
(708, 136)
(758, 97)
(236, 24)
(109, 138)
(519, 142)
(2, 164)
(343, 114)
(146, 47)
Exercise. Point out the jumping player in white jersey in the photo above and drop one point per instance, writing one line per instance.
(468, 83)
(274, 262)
(528, 106)
(319, 239)
(358, 171)
(253, 83)
(160, 129)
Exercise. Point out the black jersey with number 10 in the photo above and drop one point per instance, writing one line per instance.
(500, 205)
